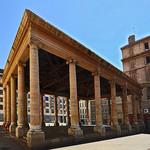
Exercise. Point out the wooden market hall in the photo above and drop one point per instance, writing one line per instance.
(44, 60)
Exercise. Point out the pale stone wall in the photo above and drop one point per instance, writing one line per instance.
(139, 71)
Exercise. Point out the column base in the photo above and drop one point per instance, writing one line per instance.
(56, 124)
(21, 131)
(127, 126)
(75, 131)
(35, 139)
(136, 125)
(116, 128)
(100, 129)
(142, 126)
(12, 128)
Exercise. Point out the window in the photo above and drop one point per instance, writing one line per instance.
(132, 64)
(47, 104)
(1, 107)
(1, 92)
(131, 51)
(133, 75)
(47, 110)
(146, 45)
(148, 93)
(28, 96)
(60, 111)
(148, 74)
(52, 110)
(147, 59)
(46, 98)
(1, 99)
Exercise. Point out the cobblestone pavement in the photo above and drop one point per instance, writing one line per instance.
(134, 142)
(9, 142)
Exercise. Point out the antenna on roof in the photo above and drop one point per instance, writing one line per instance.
(133, 30)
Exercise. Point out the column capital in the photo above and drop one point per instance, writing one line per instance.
(35, 42)
(71, 60)
(21, 64)
(96, 73)
(124, 86)
(112, 81)
(13, 76)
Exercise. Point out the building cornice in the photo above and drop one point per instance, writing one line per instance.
(136, 42)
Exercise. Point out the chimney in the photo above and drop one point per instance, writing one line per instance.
(131, 39)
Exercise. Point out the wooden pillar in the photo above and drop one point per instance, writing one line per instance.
(87, 113)
(56, 111)
(42, 111)
(68, 114)
(4, 106)
(99, 124)
(126, 124)
(21, 129)
(134, 111)
(8, 104)
(13, 105)
(115, 125)
(74, 129)
(35, 133)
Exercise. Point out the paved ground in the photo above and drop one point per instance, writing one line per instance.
(135, 142)
(9, 142)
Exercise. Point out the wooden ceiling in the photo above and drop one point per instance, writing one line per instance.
(54, 78)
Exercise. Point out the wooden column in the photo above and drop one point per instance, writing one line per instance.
(74, 129)
(35, 133)
(134, 111)
(68, 114)
(87, 113)
(42, 111)
(21, 129)
(56, 111)
(8, 104)
(99, 124)
(4, 106)
(115, 125)
(126, 124)
(13, 105)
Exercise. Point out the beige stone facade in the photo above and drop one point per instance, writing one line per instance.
(47, 61)
(136, 64)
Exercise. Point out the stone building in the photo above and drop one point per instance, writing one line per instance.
(136, 64)
(44, 60)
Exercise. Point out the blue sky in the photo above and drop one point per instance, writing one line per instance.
(101, 25)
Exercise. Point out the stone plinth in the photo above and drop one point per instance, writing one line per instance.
(12, 127)
(100, 129)
(35, 139)
(21, 131)
(75, 131)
